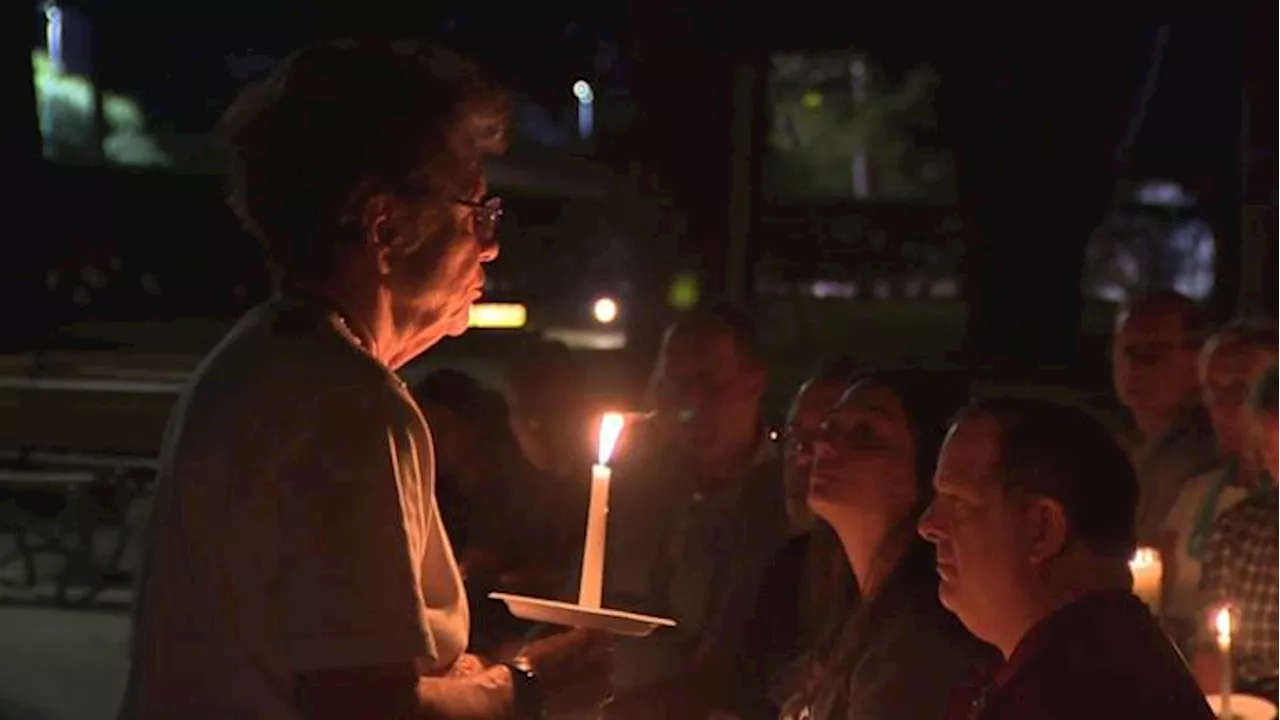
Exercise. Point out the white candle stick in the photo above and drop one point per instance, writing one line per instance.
(1222, 623)
(1148, 576)
(592, 581)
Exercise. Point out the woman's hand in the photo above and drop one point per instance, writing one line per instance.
(574, 670)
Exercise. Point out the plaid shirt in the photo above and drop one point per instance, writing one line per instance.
(1242, 567)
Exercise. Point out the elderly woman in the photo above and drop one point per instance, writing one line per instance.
(300, 568)
(897, 653)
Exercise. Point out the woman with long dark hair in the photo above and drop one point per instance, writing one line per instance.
(897, 653)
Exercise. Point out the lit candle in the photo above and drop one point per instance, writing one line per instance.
(592, 580)
(1148, 574)
(1222, 623)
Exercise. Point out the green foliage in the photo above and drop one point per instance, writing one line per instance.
(816, 128)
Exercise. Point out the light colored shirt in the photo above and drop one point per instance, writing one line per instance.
(295, 528)
(1187, 528)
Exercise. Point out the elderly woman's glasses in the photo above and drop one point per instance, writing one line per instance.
(486, 215)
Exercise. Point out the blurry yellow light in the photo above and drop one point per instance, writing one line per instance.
(498, 315)
(605, 310)
(812, 100)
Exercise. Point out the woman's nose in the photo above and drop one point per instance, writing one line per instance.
(821, 449)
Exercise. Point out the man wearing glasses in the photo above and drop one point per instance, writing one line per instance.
(298, 565)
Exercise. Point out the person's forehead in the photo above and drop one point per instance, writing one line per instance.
(1151, 325)
(870, 395)
(1232, 358)
(817, 396)
(698, 348)
(970, 452)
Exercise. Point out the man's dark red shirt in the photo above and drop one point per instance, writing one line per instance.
(1103, 657)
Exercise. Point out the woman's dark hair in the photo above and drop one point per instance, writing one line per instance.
(929, 401)
(338, 123)
(1263, 398)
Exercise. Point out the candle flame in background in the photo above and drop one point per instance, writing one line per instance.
(1222, 622)
(1144, 557)
(610, 428)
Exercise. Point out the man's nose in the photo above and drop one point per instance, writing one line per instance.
(928, 525)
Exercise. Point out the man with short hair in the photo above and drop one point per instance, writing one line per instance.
(298, 566)
(1033, 524)
(1155, 352)
(697, 512)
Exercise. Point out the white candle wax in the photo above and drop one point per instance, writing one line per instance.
(1148, 576)
(1222, 623)
(592, 582)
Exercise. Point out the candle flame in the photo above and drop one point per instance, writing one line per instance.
(610, 428)
(1144, 557)
(1222, 622)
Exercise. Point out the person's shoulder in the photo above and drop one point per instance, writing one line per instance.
(1259, 509)
(1126, 658)
(1130, 691)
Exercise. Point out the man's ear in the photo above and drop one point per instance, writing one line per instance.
(1047, 528)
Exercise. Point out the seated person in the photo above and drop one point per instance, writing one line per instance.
(896, 653)
(1033, 523)
(550, 415)
(467, 424)
(696, 513)
(1241, 568)
(1231, 362)
(809, 574)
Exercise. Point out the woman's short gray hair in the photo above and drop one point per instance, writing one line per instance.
(337, 123)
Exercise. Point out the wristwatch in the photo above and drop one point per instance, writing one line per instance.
(526, 695)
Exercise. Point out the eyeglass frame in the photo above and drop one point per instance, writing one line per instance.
(486, 214)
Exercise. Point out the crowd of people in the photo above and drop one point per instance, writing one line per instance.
(324, 537)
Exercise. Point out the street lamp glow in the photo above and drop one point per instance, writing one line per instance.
(582, 90)
(605, 310)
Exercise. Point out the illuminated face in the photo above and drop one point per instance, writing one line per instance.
(812, 402)
(703, 390)
(436, 273)
(865, 457)
(983, 551)
(1230, 370)
(1153, 367)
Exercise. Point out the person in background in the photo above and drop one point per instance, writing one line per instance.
(1231, 362)
(809, 574)
(1033, 529)
(549, 409)
(468, 425)
(299, 567)
(1242, 566)
(696, 513)
(1155, 357)
(896, 653)
(543, 511)
(478, 470)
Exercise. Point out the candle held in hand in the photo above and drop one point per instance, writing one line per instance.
(1148, 575)
(1222, 624)
(592, 581)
